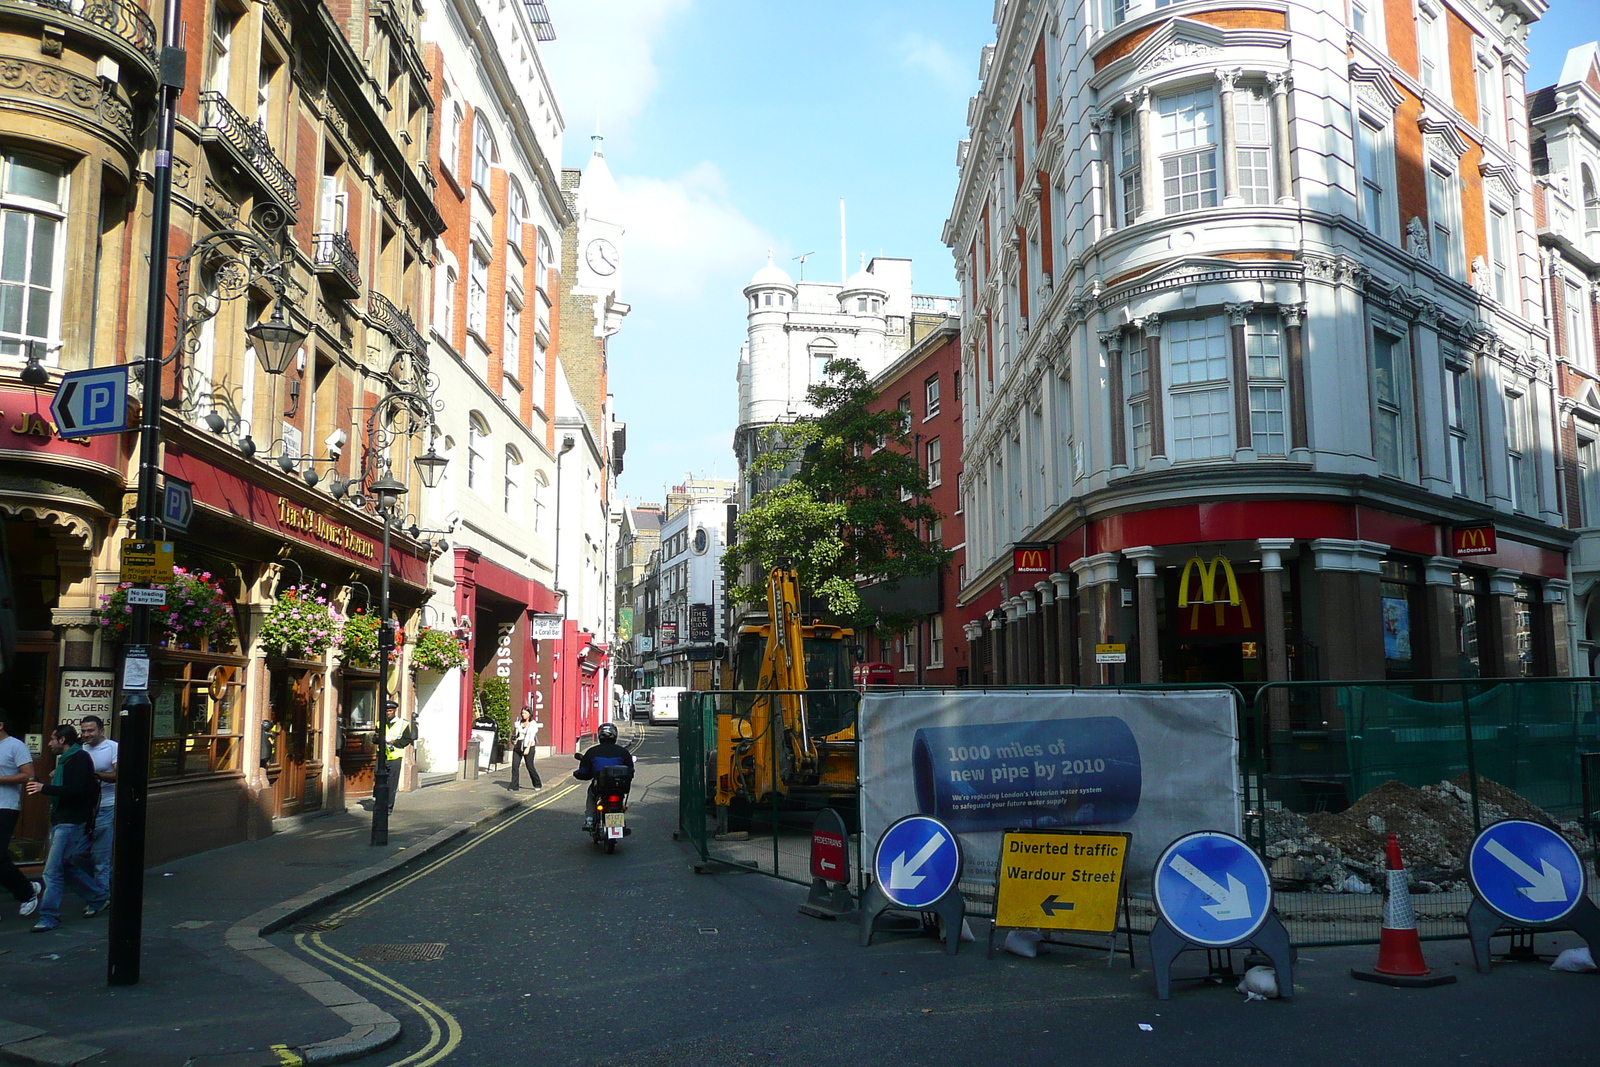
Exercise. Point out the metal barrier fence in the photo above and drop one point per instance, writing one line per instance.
(773, 836)
(1327, 769)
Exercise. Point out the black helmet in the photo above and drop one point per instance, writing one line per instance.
(607, 731)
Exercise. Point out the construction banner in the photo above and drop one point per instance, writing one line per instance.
(1156, 764)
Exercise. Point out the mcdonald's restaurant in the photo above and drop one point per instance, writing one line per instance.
(1248, 592)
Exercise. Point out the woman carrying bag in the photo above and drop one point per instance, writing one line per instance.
(524, 743)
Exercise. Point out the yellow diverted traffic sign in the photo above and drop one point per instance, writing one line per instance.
(147, 561)
(1060, 880)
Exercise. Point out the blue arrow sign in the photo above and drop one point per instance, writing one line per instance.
(92, 402)
(917, 862)
(1212, 888)
(1526, 872)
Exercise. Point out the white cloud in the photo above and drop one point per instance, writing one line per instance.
(686, 237)
(602, 62)
(921, 52)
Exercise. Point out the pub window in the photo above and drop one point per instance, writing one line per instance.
(197, 718)
(33, 200)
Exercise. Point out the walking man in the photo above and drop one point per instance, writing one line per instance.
(74, 794)
(103, 751)
(16, 770)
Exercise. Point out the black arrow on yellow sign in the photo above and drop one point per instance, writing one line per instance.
(1050, 905)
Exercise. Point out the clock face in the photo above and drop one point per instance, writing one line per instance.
(602, 256)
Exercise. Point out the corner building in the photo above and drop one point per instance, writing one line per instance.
(1253, 331)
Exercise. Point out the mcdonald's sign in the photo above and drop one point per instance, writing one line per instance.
(1205, 591)
(1030, 559)
(1472, 540)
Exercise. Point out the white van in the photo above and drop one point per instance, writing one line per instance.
(640, 708)
(664, 703)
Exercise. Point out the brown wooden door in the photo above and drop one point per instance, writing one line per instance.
(30, 703)
(287, 768)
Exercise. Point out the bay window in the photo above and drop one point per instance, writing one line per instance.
(1137, 362)
(1188, 150)
(1263, 340)
(1252, 124)
(33, 201)
(1202, 415)
(1129, 171)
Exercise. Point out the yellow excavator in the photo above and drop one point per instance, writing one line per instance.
(793, 740)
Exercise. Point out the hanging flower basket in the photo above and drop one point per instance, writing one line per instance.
(358, 644)
(197, 611)
(302, 623)
(437, 651)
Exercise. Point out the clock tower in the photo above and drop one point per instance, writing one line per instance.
(599, 243)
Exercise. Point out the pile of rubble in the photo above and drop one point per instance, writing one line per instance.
(1344, 853)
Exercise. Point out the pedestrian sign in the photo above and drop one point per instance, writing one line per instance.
(1525, 872)
(90, 402)
(1212, 889)
(1056, 880)
(146, 561)
(917, 862)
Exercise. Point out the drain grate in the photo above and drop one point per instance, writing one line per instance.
(413, 952)
(315, 928)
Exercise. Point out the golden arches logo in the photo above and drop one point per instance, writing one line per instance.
(1029, 561)
(1208, 590)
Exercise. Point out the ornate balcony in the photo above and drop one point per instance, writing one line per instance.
(334, 258)
(246, 141)
(119, 18)
(396, 323)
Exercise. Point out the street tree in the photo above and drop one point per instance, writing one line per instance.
(851, 502)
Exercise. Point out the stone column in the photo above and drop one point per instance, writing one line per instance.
(1118, 420)
(974, 632)
(1272, 624)
(1149, 632)
(1030, 624)
(1097, 589)
(1279, 84)
(1294, 352)
(1105, 171)
(1350, 623)
(1149, 183)
(1243, 443)
(1554, 620)
(1230, 138)
(1065, 674)
(1442, 657)
(1501, 654)
(997, 641)
(1150, 326)
(1049, 657)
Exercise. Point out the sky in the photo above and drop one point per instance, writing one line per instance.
(734, 127)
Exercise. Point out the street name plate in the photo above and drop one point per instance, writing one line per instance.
(1054, 880)
(146, 561)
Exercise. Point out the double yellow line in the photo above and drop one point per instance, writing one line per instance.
(444, 1032)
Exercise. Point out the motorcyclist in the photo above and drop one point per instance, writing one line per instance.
(605, 754)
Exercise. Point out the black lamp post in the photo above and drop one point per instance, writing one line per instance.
(387, 490)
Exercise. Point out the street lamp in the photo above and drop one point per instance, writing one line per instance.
(387, 490)
(278, 338)
(430, 467)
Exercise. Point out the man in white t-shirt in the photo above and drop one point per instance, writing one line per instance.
(103, 750)
(16, 769)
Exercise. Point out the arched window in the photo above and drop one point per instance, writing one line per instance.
(821, 352)
(1591, 201)
(516, 212)
(511, 498)
(477, 432)
(540, 487)
(484, 153)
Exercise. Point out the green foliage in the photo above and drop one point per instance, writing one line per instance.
(437, 651)
(494, 699)
(301, 623)
(358, 644)
(851, 507)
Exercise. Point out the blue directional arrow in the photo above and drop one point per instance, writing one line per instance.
(1212, 888)
(1526, 872)
(917, 862)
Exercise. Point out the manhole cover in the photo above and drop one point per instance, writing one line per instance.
(315, 928)
(416, 952)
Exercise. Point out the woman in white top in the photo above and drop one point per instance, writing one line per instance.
(524, 743)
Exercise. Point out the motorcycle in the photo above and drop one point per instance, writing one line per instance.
(609, 821)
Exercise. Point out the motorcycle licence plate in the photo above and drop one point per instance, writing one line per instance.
(614, 821)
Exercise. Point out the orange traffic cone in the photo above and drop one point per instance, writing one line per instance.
(1400, 961)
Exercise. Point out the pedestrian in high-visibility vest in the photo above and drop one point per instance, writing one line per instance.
(399, 736)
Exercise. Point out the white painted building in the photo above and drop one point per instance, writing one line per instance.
(692, 598)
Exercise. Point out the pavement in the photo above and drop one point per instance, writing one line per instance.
(212, 990)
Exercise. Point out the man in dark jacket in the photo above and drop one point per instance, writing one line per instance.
(606, 754)
(74, 794)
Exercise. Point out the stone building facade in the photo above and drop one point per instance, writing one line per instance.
(1255, 348)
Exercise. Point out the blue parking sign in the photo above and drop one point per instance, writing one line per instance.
(90, 402)
(1526, 872)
